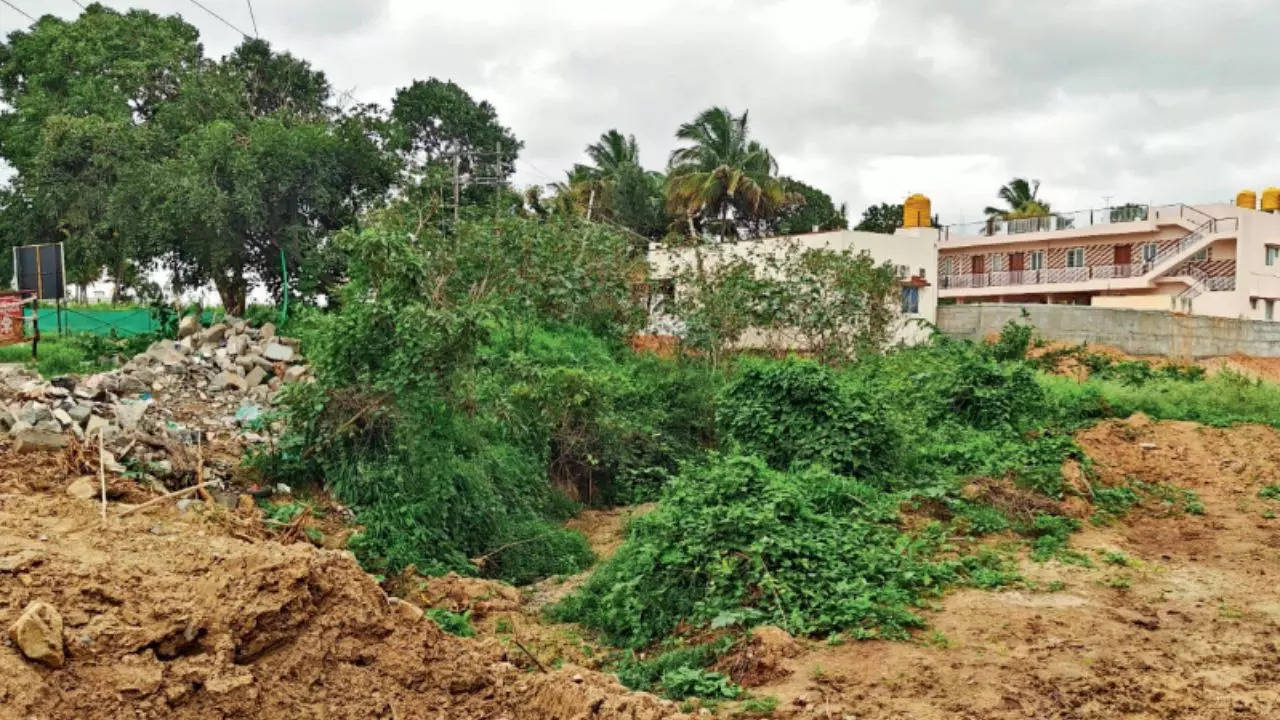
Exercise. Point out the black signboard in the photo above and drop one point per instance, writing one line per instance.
(38, 269)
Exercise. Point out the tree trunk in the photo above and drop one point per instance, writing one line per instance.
(232, 293)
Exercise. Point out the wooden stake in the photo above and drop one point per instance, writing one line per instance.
(204, 494)
(102, 474)
(166, 496)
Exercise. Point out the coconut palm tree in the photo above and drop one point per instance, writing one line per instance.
(1022, 197)
(722, 177)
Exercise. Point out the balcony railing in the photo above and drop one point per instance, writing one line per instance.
(1086, 218)
(1055, 276)
(1048, 223)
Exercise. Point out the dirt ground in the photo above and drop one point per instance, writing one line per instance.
(166, 616)
(1186, 628)
(170, 615)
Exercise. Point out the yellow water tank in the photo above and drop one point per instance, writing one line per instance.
(917, 212)
(1247, 199)
(1270, 200)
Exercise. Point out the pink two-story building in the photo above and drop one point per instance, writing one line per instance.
(1206, 259)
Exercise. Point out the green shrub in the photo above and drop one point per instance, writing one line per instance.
(808, 551)
(688, 682)
(451, 622)
(1270, 492)
(795, 412)
(1014, 341)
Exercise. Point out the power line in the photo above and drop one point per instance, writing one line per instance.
(77, 2)
(200, 5)
(253, 19)
(20, 10)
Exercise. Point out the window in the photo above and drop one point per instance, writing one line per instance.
(998, 262)
(1269, 309)
(1273, 252)
(1149, 251)
(1201, 255)
(1075, 257)
(910, 299)
(1035, 260)
(948, 266)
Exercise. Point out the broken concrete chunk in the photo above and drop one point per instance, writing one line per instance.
(79, 413)
(35, 439)
(35, 413)
(226, 379)
(188, 325)
(237, 344)
(128, 415)
(255, 377)
(277, 352)
(38, 634)
(267, 331)
(295, 373)
(62, 417)
(214, 334)
(84, 488)
(96, 424)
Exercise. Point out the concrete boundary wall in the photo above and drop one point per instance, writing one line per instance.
(1138, 332)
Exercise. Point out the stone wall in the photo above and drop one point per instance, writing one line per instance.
(1139, 332)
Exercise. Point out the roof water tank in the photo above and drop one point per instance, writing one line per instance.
(1270, 200)
(1247, 199)
(916, 212)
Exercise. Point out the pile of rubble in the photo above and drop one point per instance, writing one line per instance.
(210, 387)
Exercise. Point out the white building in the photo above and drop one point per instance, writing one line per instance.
(912, 251)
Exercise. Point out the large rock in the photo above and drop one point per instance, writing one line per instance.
(32, 440)
(278, 352)
(295, 373)
(188, 325)
(62, 417)
(267, 331)
(38, 634)
(166, 352)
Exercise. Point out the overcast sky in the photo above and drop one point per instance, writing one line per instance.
(1169, 101)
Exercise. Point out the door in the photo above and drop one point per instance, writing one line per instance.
(1122, 257)
(1017, 263)
(977, 265)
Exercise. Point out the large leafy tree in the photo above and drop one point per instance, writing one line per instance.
(264, 181)
(811, 211)
(79, 103)
(437, 121)
(1021, 199)
(721, 180)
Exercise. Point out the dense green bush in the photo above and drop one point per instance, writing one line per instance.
(466, 382)
(797, 412)
(734, 541)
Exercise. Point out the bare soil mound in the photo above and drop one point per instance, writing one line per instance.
(1177, 618)
(168, 618)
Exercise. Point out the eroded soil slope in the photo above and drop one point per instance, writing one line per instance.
(167, 617)
(1180, 620)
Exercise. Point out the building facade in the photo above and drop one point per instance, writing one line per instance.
(912, 251)
(1219, 260)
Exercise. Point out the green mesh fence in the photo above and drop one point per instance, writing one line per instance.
(121, 322)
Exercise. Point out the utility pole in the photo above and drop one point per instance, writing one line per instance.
(591, 201)
(456, 188)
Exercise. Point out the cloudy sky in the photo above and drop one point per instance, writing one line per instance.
(1170, 101)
